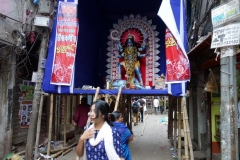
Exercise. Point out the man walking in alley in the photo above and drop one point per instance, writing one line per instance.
(135, 109)
(81, 116)
(161, 103)
(142, 104)
(155, 104)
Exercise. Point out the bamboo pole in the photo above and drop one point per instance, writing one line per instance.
(179, 129)
(187, 128)
(129, 112)
(50, 125)
(175, 128)
(185, 139)
(118, 97)
(144, 125)
(170, 122)
(19, 153)
(56, 104)
(38, 126)
(67, 151)
(65, 120)
(96, 94)
(107, 95)
(64, 148)
(59, 110)
(57, 154)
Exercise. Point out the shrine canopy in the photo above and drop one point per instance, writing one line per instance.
(101, 25)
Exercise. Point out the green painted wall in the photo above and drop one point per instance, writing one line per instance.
(215, 110)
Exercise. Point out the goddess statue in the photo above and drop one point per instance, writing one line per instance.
(131, 54)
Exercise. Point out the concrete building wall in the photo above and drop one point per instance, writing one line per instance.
(11, 18)
(7, 69)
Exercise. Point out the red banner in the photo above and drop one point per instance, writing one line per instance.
(65, 44)
(177, 64)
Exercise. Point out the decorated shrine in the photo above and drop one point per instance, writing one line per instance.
(111, 45)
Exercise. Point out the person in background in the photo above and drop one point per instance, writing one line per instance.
(142, 104)
(167, 105)
(126, 135)
(135, 110)
(161, 103)
(100, 140)
(155, 104)
(81, 116)
(145, 106)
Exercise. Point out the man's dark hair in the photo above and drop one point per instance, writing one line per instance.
(84, 99)
(135, 98)
(141, 101)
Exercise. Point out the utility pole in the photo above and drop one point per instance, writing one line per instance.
(36, 100)
(228, 109)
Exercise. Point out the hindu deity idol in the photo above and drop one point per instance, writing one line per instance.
(130, 52)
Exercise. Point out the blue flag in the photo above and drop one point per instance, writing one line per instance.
(172, 12)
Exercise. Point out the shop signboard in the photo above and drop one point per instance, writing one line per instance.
(225, 13)
(226, 36)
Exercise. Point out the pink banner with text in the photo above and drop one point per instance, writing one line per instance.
(65, 44)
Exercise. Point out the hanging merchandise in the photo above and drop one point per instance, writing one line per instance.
(211, 85)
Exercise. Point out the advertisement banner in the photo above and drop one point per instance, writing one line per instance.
(226, 36)
(225, 13)
(65, 44)
(177, 64)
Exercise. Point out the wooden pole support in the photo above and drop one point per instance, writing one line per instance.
(50, 125)
(144, 125)
(187, 129)
(38, 126)
(57, 154)
(96, 94)
(179, 129)
(118, 97)
(67, 151)
(175, 128)
(185, 141)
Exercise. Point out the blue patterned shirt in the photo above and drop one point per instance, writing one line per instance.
(98, 152)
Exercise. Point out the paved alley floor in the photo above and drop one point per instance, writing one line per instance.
(149, 142)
